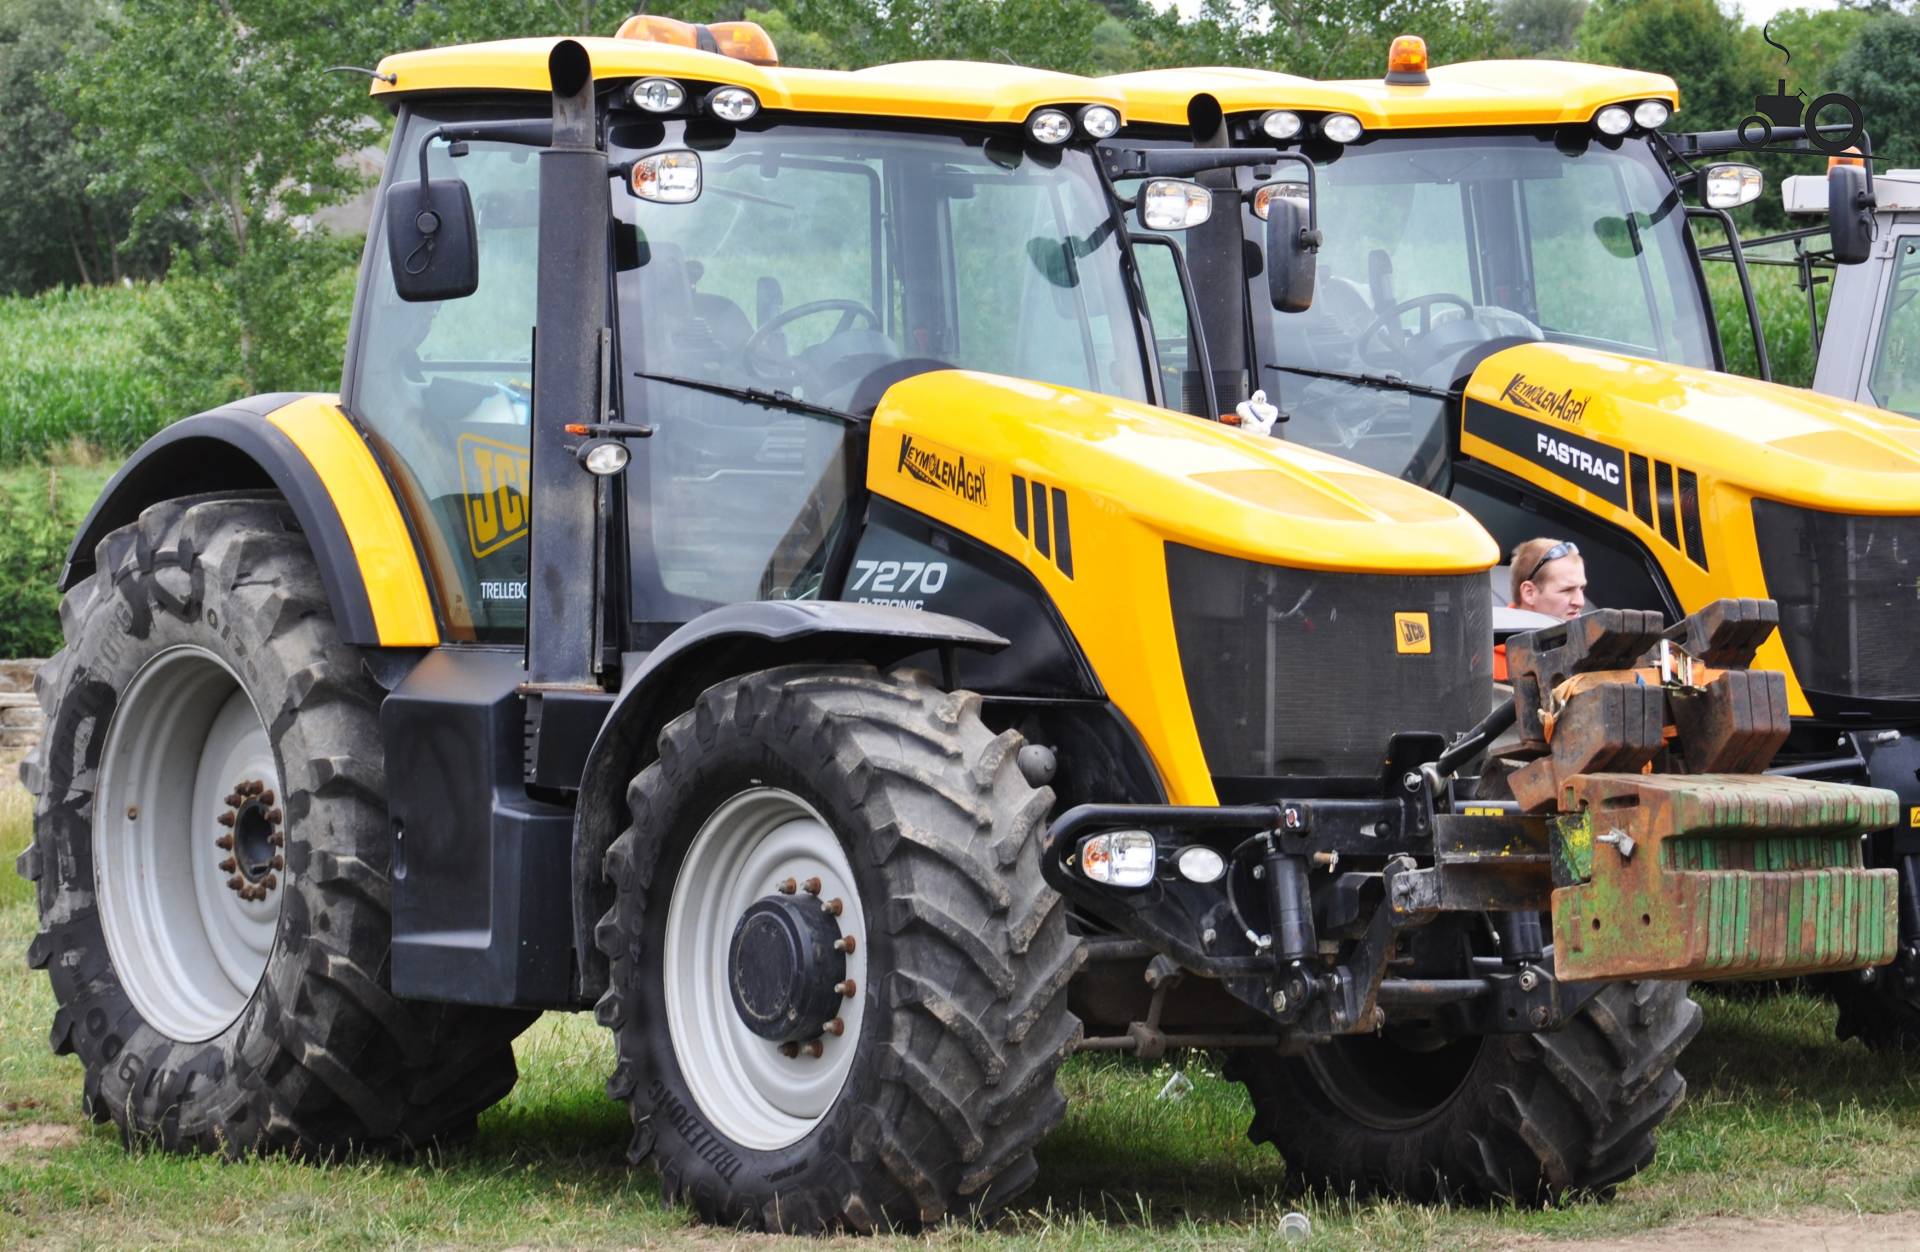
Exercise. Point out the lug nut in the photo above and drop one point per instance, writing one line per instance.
(278, 861)
(278, 839)
(787, 887)
(811, 886)
(268, 884)
(235, 800)
(833, 906)
(846, 989)
(836, 1027)
(814, 1048)
(845, 943)
(789, 1049)
(266, 797)
(237, 883)
(224, 843)
(225, 819)
(273, 815)
(228, 866)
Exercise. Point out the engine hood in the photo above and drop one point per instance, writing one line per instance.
(1195, 482)
(1575, 412)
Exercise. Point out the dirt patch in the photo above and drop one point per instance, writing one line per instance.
(1879, 1232)
(35, 1137)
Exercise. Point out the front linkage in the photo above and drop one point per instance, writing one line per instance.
(1639, 821)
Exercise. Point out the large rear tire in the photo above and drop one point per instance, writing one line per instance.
(210, 855)
(1526, 1118)
(779, 795)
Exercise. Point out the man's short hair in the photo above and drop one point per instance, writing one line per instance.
(1526, 560)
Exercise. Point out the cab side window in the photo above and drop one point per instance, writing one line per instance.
(1895, 380)
(445, 390)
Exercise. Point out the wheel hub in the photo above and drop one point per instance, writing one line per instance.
(786, 966)
(251, 840)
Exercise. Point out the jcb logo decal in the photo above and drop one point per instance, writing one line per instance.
(494, 477)
(1411, 633)
(1913, 817)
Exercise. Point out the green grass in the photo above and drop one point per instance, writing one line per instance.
(1781, 1120)
(69, 371)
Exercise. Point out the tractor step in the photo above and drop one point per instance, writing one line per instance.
(1718, 876)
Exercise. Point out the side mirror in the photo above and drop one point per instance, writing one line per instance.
(1291, 245)
(1849, 214)
(431, 240)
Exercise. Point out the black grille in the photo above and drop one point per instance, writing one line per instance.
(1306, 672)
(1849, 594)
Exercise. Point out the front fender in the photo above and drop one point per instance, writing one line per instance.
(303, 447)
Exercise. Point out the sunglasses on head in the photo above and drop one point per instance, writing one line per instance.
(1554, 553)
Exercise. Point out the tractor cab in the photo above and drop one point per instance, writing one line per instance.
(787, 245)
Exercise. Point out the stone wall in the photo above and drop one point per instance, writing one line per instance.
(20, 719)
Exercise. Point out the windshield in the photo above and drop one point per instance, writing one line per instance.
(828, 263)
(1437, 244)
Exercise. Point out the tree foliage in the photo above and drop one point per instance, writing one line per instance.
(1719, 62)
(1320, 38)
(55, 228)
(1542, 27)
(1881, 71)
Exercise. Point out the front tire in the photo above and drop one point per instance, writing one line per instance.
(210, 855)
(778, 794)
(1526, 1118)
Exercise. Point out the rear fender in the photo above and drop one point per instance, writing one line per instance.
(303, 447)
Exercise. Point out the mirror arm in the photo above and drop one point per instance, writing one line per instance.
(530, 134)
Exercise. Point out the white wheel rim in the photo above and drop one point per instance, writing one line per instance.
(745, 1087)
(188, 949)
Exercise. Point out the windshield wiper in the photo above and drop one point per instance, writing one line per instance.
(752, 395)
(1379, 382)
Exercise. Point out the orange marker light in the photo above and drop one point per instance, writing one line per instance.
(1852, 157)
(1407, 60)
(743, 41)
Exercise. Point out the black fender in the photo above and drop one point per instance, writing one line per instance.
(234, 448)
(731, 640)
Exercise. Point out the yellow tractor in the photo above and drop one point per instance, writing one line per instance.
(1510, 310)
(747, 587)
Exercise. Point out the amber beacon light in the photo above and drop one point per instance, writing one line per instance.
(1407, 61)
(743, 41)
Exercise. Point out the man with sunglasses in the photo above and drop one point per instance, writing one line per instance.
(1548, 578)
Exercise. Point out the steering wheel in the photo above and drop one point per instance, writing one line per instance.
(1390, 320)
(762, 364)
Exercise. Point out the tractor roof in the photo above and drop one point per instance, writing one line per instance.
(949, 90)
(1472, 93)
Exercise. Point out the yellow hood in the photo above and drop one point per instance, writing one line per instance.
(1192, 481)
(1781, 443)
